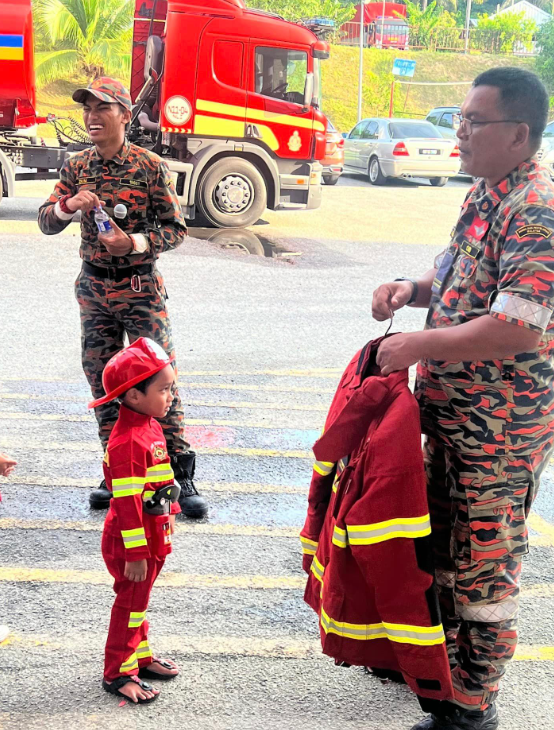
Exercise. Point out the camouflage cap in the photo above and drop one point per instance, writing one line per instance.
(105, 89)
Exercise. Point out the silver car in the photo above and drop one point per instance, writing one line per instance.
(383, 148)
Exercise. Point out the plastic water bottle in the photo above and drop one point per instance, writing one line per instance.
(102, 220)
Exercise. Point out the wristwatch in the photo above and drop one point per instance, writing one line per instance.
(415, 289)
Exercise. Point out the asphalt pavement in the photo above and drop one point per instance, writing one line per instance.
(264, 322)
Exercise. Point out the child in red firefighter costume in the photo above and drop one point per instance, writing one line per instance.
(138, 527)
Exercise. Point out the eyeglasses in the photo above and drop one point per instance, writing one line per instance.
(466, 125)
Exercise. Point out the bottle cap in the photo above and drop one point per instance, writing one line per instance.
(120, 211)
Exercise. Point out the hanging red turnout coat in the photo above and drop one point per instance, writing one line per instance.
(367, 535)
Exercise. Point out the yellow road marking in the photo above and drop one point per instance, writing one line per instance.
(16, 443)
(282, 647)
(12, 523)
(225, 487)
(248, 386)
(22, 415)
(166, 579)
(277, 406)
(15, 227)
(540, 525)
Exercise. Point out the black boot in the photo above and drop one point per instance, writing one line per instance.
(192, 504)
(100, 498)
(453, 717)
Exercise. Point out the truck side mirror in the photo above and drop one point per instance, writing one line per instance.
(309, 90)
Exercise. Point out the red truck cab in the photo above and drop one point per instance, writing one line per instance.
(236, 104)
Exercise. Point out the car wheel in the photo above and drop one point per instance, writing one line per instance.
(374, 174)
(330, 179)
(232, 193)
(438, 182)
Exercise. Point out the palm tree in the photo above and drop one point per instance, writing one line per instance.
(90, 37)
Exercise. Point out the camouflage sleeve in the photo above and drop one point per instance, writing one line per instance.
(172, 227)
(525, 293)
(49, 222)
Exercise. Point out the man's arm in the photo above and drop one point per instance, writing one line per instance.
(172, 229)
(394, 295)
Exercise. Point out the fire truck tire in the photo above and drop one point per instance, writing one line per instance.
(438, 182)
(330, 179)
(232, 193)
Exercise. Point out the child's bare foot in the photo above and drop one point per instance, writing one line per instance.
(132, 688)
(159, 669)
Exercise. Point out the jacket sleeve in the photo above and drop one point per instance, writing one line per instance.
(50, 219)
(321, 489)
(172, 229)
(128, 477)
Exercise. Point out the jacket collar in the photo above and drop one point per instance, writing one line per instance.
(131, 418)
(119, 157)
(486, 201)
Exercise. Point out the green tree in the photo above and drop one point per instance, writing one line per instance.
(90, 37)
(505, 31)
(298, 9)
(545, 60)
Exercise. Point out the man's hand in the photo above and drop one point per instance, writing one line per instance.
(136, 570)
(119, 244)
(390, 297)
(398, 352)
(85, 201)
(7, 465)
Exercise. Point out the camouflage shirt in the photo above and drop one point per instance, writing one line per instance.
(500, 261)
(135, 177)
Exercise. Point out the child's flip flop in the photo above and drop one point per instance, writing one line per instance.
(114, 687)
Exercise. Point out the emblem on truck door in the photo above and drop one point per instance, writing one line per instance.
(177, 110)
(295, 142)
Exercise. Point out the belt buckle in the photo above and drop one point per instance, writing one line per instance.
(135, 283)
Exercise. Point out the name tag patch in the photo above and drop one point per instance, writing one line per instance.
(469, 249)
(139, 184)
(533, 230)
(86, 181)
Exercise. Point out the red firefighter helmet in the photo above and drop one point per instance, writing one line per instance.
(129, 366)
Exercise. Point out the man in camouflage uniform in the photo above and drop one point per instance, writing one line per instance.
(119, 289)
(485, 383)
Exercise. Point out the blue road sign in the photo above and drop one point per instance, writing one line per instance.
(403, 67)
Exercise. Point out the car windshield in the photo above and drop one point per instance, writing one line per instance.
(401, 130)
(549, 131)
(330, 126)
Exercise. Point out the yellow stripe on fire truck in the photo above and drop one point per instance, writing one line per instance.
(309, 547)
(399, 633)
(256, 115)
(134, 538)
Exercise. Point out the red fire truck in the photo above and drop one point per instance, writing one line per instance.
(227, 95)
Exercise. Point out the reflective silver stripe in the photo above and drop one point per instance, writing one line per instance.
(309, 547)
(159, 473)
(324, 467)
(317, 569)
(128, 486)
(491, 613)
(136, 618)
(340, 538)
(525, 310)
(143, 650)
(408, 527)
(134, 538)
(400, 633)
(129, 664)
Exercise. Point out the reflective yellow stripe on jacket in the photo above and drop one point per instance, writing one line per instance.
(134, 538)
(128, 486)
(309, 547)
(408, 527)
(324, 467)
(159, 473)
(317, 569)
(400, 633)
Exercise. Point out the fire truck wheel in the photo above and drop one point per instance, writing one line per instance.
(232, 193)
(330, 179)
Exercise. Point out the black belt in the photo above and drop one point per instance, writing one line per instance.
(117, 273)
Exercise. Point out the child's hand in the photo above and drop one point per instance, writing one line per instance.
(7, 465)
(136, 570)
(172, 523)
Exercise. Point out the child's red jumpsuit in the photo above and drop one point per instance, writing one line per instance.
(135, 466)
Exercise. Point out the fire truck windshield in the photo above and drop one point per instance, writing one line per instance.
(281, 73)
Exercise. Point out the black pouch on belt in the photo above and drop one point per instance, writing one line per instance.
(159, 503)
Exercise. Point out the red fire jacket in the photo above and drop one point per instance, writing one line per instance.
(366, 540)
(136, 464)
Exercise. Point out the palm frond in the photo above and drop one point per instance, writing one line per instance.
(54, 65)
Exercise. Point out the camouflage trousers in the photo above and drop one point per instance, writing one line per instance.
(478, 507)
(109, 311)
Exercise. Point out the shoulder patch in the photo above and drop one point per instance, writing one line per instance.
(533, 230)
